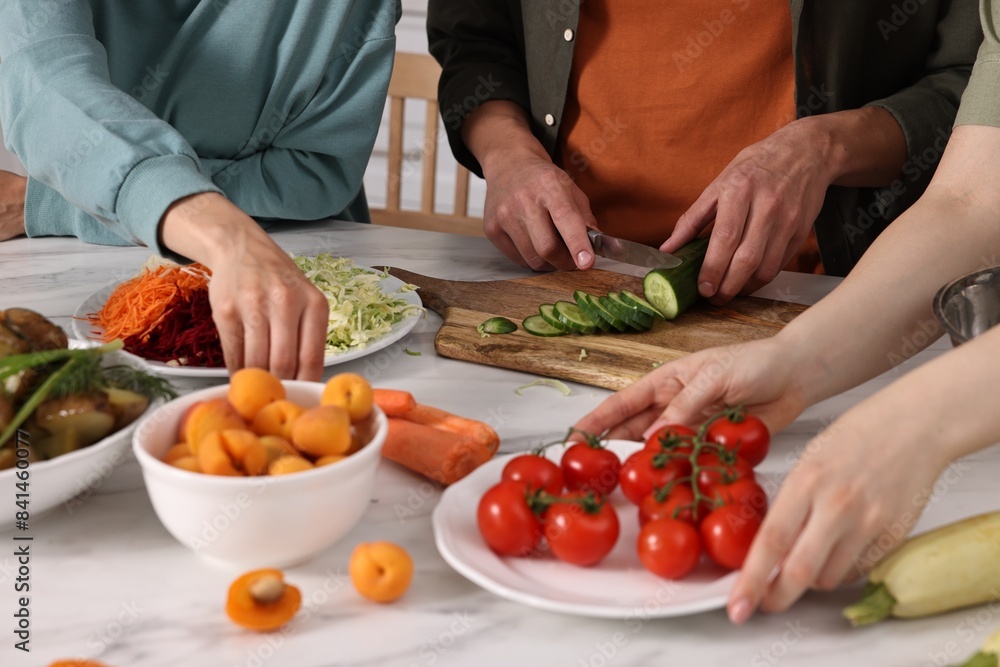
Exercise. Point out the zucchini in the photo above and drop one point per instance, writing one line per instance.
(583, 303)
(534, 324)
(548, 313)
(641, 304)
(672, 291)
(955, 566)
(573, 318)
(609, 318)
(988, 654)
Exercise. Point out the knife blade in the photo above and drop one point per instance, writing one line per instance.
(630, 252)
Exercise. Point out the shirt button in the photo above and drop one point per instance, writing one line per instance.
(568, 35)
(550, 119)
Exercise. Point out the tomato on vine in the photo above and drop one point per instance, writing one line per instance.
(507, 521)
(676, 502)
(536, 471)
(669, 548)
(719, 470)
(581, 530)
(727, 534)
(742, 433)
(665, 436)
(647, 469)
(590, 466)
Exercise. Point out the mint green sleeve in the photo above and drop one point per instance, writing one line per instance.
(314, 165)
(76, 133)
(981, 101)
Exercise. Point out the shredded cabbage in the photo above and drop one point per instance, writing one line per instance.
(359, 310)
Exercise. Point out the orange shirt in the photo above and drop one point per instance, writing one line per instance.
(662, 96)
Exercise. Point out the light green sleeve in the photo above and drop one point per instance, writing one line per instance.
(981, 102)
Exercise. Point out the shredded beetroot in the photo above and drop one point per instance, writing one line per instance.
(186, 334)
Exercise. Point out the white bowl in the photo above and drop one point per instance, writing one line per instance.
(68, 479)
(252, 522)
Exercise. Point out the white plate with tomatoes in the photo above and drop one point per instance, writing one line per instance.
(618, 586)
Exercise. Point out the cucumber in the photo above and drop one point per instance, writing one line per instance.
(634, 314)
(640, 303)
(625, 314)
(571, 316)
(606, 315)
(672, 291)
(587, 308)
(534, 324)
(951, 567)
(548, 313)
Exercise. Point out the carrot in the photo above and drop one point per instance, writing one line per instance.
(394, 402)
(478, 432)
(137, 306)
(443, 456)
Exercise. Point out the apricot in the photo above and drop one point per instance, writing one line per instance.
(188, 463)
(178, 451)
(325, 429)
(232, 452)
(381, 571)
(329, 459)
(205, 417)
(262, 601)
(250, 389)
(276, 418)
(276, 447)
(287, 465)
(351, 392)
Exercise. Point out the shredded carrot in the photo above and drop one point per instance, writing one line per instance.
(138, 306)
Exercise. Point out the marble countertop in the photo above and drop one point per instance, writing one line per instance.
(108, 581)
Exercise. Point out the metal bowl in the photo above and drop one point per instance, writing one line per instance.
(970, 305)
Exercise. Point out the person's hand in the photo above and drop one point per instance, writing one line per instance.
(763, 375)
(12, 193)
(267, 312)
(763, 204)
(535, 214)
(854, 495)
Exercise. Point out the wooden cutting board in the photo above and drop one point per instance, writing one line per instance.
(613, 360)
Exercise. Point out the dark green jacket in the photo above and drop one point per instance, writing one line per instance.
(912, 57)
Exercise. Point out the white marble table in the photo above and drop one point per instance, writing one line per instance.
(109, 582)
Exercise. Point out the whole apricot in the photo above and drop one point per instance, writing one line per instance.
(276, 418)
(276, 447)
(250, 389)
(206, 416)
(351, 392)
(381, 571)
(323, 430)
(232, 452)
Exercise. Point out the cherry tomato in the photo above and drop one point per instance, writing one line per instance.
(669, 548)
(587, 468)
(744, 493)
(716, 473)
(646, 469)
(680, 496)
(749, 437)
(663, 435)
(506, 522)
(727, 534)
(536, 471)
(579, 536)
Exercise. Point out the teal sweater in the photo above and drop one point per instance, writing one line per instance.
(118, 108)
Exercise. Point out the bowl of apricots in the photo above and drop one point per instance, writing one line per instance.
(263, 472)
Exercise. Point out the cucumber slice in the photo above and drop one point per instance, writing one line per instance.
(632, 318)
(548, 313)
(638, 302)
(672, 291)
(534, 324)
(634, 313)
(570, 315)
(606, 315)
(585, 305)
(496, 325)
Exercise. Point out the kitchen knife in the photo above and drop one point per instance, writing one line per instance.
(630, 252)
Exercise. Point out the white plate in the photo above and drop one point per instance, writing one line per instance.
(618, 587)
(84, 330)
(60, 480)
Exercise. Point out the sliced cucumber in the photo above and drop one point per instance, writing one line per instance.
(672, 291)
(584, 304)
(606, 315)
(534, 324)
(570, 315)
(634, 313)
(548, 313)
(640, 303)
(632, 318)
